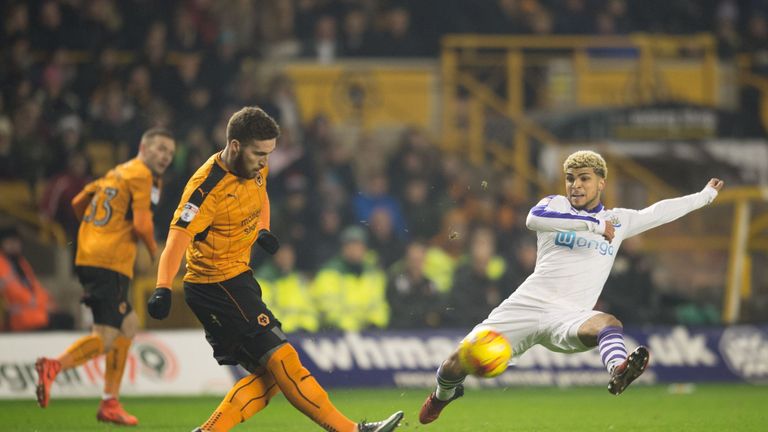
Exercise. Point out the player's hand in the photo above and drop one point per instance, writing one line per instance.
(716, 184)
(610, 231)
(268, 241)
(159, 305)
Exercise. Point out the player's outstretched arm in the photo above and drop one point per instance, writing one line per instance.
(668, 210)
(553, 213)
(159, 305)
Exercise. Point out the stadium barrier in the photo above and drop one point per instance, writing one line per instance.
(180, 362)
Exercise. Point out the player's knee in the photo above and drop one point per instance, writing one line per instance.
(107, 337)
(612, 321)
(257, 350)
(130, 325)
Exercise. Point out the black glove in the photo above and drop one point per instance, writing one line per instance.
(159, 305)
(268, 241)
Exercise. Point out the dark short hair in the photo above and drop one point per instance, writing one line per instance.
(157, 131)
(251, 123)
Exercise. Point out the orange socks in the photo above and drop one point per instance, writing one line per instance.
(84, 349)
(249, 396)
(115, 366)
(303, 391)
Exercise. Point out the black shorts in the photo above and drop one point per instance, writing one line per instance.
(106, 293)
(238, 325)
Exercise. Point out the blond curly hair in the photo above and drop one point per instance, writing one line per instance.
(586, 159)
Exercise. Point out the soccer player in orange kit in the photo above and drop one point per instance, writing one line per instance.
(115, 211)
(223, 211)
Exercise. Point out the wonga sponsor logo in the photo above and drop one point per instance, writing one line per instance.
(571, 240)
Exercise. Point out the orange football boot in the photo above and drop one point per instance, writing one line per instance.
(110, 411)
(47, 369)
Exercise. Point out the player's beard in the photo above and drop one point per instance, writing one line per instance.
(241, 170)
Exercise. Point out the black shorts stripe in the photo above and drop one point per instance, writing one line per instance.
(234, 301)
(198, 196)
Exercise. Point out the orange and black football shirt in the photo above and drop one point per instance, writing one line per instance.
(223, 213)
(107, 236)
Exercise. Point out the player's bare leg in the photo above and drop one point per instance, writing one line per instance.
(450, 378)
(110, 409)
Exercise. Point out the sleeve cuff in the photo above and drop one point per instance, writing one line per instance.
(598, 227)
(710, 193)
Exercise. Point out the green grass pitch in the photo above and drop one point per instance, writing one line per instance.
(641, 408)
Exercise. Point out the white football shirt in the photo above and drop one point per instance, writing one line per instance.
(574, 260)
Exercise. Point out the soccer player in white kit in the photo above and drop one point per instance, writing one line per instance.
(578, 240)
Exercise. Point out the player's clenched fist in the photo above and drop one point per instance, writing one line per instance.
(610, 231)
(159, 305)
(716, 184)
(268, 241)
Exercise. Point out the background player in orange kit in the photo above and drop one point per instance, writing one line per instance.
(225, 209)
(114, 211)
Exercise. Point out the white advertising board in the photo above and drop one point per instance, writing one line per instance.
(159, 363)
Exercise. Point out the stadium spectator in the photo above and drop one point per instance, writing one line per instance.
(324, 46)
(16, 21)
(56, 204)
(357, 37)
(376, 195)
(415, 157)
(51, 33)
(479, 284)
(287, 293)
(56, 99)
(324, 241)
(221, 64)
(415, 302)
(398, 38)
(419, 210)
(186, 36)
(384, 241)
(575, 19)
(446, 249)
(31, 156)
(27, 304)
(350, 290)
(293, 219)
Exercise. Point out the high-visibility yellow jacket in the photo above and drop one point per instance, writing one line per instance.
(348, 300)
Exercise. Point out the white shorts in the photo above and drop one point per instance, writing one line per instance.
(526, 324)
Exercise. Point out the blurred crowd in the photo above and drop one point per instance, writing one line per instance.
(420, 229)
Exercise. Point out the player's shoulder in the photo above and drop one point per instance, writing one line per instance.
(133, 170)
(208, 176)
(555, 202)
(620, 211)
